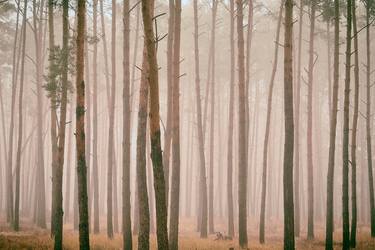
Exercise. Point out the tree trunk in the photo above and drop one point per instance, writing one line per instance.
(268, 124)
(112, 102)
(143, 206)
(368, 121)
(212, 128)
(8, 174)
(230, 126)
(88, 121)
(297, 128)
(95, 123)
(249, 38)
(126, 221)
(16, 224)
(115, 192)
(53, 101)
(202, 160)
(170, 68)
(61, 133)
(80, 130)
(345, 142)
(135, 52)
(105, 52)
(151, 199)
(68, 168)
(5, 158)
(242, 154)
(176, 161)
(156, 152)
(310, 167)
(289, 129)
(332, 134)
(38, 35)
(354, 131)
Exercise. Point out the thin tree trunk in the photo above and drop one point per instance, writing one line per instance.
(310, 167)
(176, 161)
(268, 124)
(297, 128)
(368, 121)
(354, 132)
(249, 38)
(242, 152)
(88, 121)
(126, 220)
(115, 193)
(8, 174)
(149, 187)
(332, 135)
(68, 167)
(105, 52)
(329, 67)
(212, 128)
(61, 133)
(156, 152)
(230, 126)
(135, 53)
(16, 224)
(112, 102)
(289, 129)
(95, 123)
(41, 200)
(345, 143)
(202, 162)
(53, 100)
(80, 130)
(170, 80)
(3, 189)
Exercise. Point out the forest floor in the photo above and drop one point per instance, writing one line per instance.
(34, 238)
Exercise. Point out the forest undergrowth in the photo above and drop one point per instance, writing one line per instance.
(31, 237)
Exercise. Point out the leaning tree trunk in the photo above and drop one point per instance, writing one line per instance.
(332, 134)
(353, 230)
(126, 221)
(310, 167)
(176, 161)
(345, 142)
(16, 222)
(80, 130)
(230, 126)
(242, 154)
(268, 124)
(202, 160)
(368, 122)
(289, 129)
(156, 152)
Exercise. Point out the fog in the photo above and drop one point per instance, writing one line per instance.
(126, 145)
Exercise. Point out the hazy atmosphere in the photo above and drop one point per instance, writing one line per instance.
(187, 124)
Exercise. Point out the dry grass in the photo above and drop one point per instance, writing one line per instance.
(34, 238)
